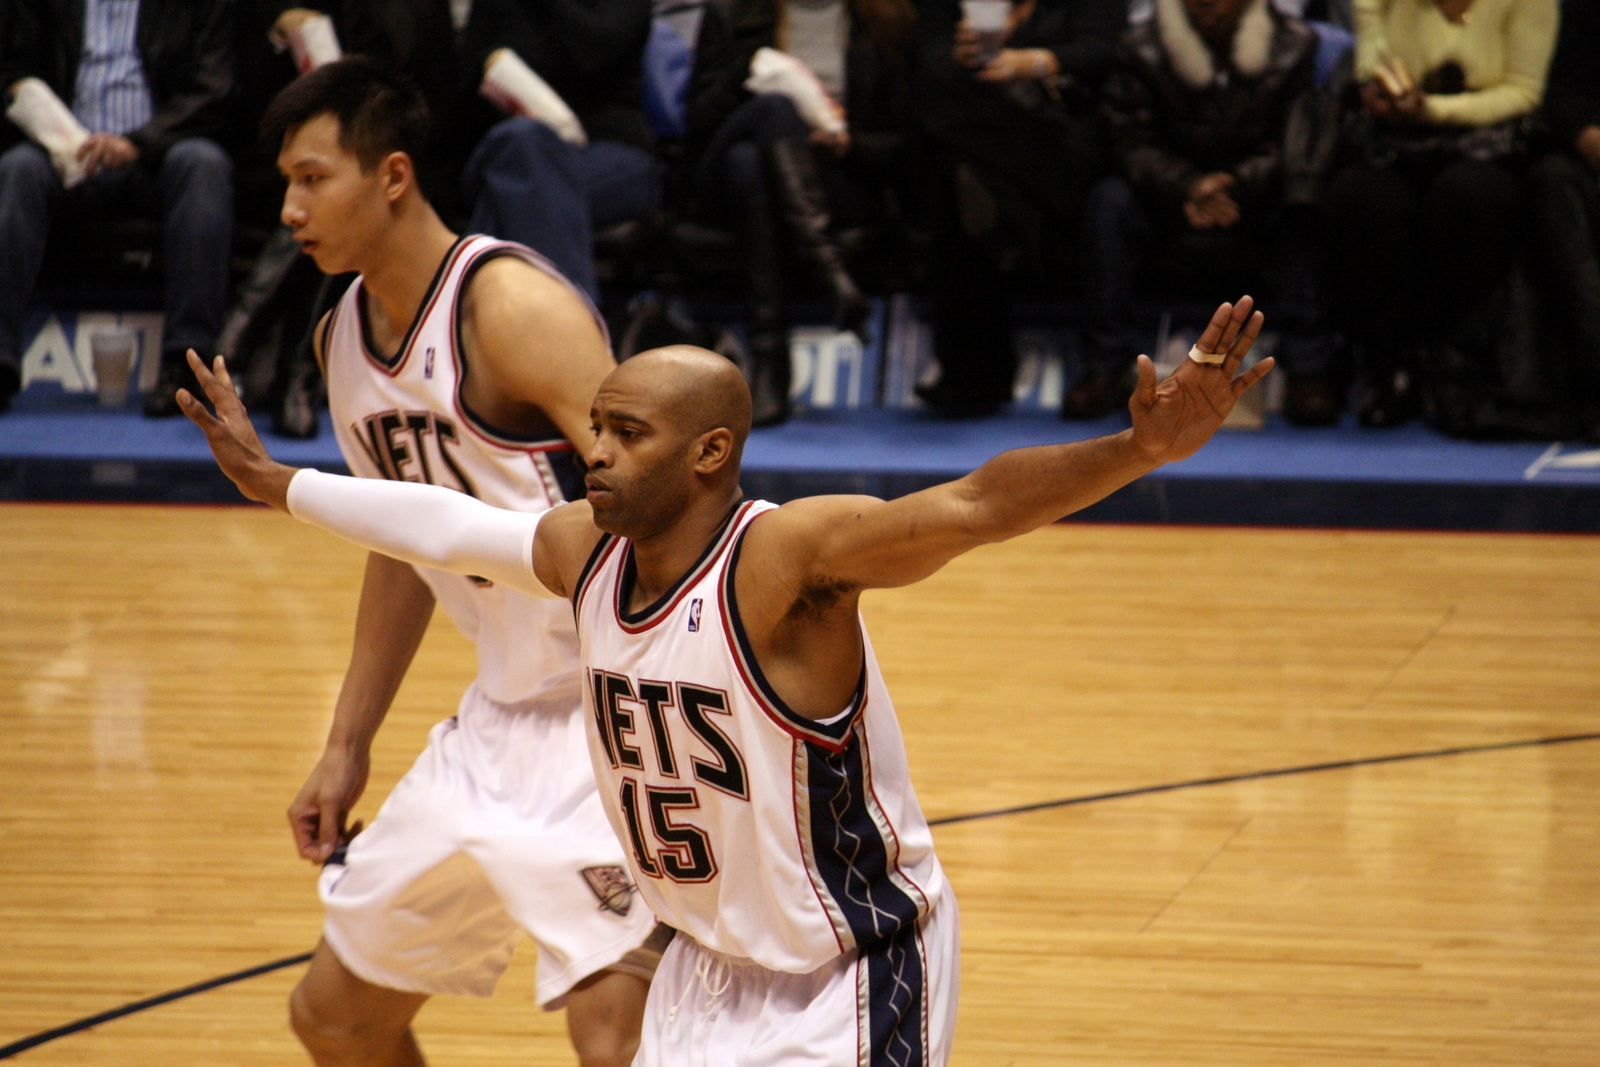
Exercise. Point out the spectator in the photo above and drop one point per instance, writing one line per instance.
(1015, 147)
(1428, 218)
(523, 181)
(149, 80)
(1198, 111)
(1566, 197)
(755, 153)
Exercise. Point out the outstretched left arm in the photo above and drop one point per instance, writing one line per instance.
(408, 521)
(861, 542)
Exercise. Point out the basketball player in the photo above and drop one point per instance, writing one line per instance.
(745, 745)
(468, 363)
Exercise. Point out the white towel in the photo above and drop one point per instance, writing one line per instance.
(511, 85)
(42, 116)
(772, 71)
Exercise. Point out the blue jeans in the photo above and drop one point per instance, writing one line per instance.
(193, 190)
(526, 184)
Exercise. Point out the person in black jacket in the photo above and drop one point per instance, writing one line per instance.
(149, 79)
(1198, 111)
(1566, 196)
(755, 154)
(526, 184)
(1013, 148)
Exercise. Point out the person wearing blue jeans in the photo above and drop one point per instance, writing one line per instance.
(149, 80)
(191, 189)
(526, 184)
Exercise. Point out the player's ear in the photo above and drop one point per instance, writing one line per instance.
(714, 451)
(398, 175)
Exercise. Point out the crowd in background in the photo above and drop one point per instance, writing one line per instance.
(1409, 187)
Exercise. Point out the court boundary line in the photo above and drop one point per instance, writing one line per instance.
(1251, 776)
(45, 1036)
(156, 1001)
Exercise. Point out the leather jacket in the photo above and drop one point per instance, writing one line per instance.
(1166, 132)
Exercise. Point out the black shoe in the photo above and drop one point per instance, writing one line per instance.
(1391, 401)
(10, 384)
(769, 376)
(1097, 393)
(162, 401)
(1312, 400)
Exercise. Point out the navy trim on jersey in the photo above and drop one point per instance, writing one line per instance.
(852, 855)
(370, 347)
(589, 568)
(897, 1000)
(635, 622)
(478, 422)
(833, 734)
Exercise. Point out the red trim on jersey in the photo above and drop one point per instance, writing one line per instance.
(527, 255)
(752, 687)
(434, 289)
(685, 584)
(587, 581)
(800, 840)
(872, 787)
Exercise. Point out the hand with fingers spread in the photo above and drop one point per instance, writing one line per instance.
(1172, 419)
(234, 442)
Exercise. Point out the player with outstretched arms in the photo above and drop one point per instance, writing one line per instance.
(466, 363)
(744, 742)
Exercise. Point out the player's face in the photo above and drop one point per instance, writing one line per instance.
(641, 470)
(334, 209)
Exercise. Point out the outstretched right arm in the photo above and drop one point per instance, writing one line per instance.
(422, 524)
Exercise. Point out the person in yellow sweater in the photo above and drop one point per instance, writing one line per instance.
(1428, 219)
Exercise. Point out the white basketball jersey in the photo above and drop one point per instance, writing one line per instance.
(758, 833)
(404, 419)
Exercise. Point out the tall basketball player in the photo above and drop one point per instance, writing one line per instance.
(466, 363)
(744, 741)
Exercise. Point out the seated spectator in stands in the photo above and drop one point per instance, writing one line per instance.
(758, 159)
(1566, 198)
(1425, 225)
(1011, 128)
(1198, 112)
(523, 181)
(148, 79)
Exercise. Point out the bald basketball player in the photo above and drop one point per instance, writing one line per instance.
(747, 752)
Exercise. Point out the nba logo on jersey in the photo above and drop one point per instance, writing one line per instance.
(694, 615)
(427, 364)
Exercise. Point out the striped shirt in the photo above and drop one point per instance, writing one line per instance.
(111, 95)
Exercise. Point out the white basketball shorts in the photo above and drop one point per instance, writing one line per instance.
(496, 829)
(893, 1005)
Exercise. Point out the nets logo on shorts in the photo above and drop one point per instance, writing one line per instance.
(611, 886)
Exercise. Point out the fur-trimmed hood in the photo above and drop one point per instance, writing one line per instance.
(1192, 59)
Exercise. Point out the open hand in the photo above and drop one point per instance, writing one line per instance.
(317, 816)
(1172, 419)
(234, 442)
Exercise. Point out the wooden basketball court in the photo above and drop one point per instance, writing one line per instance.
(167, 674)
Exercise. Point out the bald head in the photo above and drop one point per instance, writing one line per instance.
(670, 427)
(694, 390)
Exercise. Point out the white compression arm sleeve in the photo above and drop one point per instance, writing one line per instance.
(423, 524)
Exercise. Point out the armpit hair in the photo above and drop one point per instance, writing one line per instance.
(817, 598)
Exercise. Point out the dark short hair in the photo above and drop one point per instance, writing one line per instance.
(379, 110)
